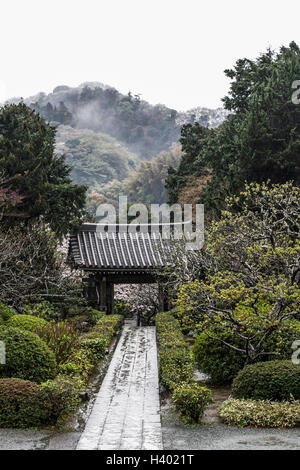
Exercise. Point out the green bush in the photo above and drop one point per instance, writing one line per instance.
(22, 404)
(5, 313)
(61, 338)
(96, 346)
(27, 322)
(175, 367)
(107, 327)
(175, 364)
(260, 413)
(27, 356)
(216, 359)
(43, 309)
(64, 395)
(191, 399)
(272, 380)
(123, 308)
(83, 323)
(222, 363)
(80, 364)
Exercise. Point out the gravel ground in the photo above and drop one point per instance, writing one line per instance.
(213, 435)
(15, 439)
(218, 436)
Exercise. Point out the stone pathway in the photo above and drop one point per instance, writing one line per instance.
(126, 413)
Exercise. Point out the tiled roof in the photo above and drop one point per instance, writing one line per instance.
(90, 249)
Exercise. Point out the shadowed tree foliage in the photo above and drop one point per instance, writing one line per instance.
(260, 138)
(41, 178)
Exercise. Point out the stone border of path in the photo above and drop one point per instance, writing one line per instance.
(126, 413)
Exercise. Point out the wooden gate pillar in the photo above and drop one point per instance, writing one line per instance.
(102, 295)
(110, 298)
(106, 296)
(163, 300)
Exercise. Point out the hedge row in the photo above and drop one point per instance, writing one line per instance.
(64, 391)
(176, 369)
(175, 364)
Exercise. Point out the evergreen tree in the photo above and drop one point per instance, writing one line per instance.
(260, 138)
(28, 161)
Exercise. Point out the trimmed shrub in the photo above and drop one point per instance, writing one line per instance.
(216, 359)
(91, 348)
(5, 313)
(260, 413)
(22, 404)
(191, 399)
(81, 364)
(27, 356)
(175, 364)
(27, 322)
(175, 367)
(272, 380)
(84, 322)
(64, 395)
(96, 346)
(107, 327)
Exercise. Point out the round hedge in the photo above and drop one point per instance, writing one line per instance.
(22, 404)
(27, 322)
(272, 380)
(27, 356)
(5, 313)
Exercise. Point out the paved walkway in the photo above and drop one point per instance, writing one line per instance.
(126, 413)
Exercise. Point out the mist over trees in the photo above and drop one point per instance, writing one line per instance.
(38, 183)
(145, 129)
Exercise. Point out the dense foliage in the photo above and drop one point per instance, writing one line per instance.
(259, 139)
(260, 413)
(96, 159)
(43, 180)
(222, 363)
(191, 399)
(27, 356)
(22, 404)
(27, 322)
(215, 359)
(272, 380)
(175, 364)
(147, 183)
(250, 271)
(5, 313)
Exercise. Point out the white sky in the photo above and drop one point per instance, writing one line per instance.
(170, 51)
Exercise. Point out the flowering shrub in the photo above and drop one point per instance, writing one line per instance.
(260, 413)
